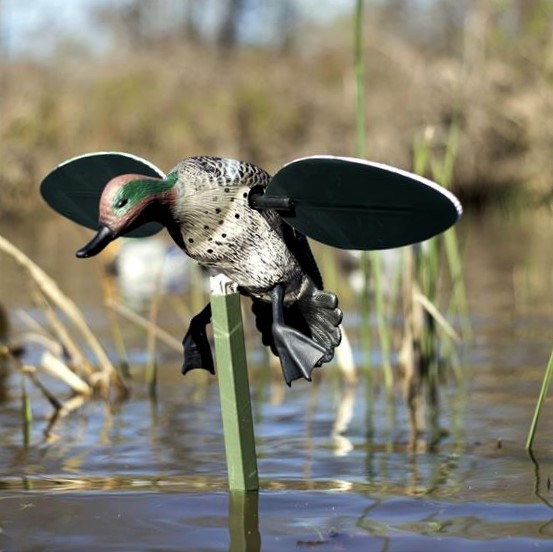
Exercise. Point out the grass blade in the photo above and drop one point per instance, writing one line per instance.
(539, 404)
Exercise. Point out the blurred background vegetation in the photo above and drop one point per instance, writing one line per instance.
(268, 82)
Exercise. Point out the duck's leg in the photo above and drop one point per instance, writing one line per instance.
(298, 353)
(197, 351)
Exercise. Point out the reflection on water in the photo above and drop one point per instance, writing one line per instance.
(336, 466)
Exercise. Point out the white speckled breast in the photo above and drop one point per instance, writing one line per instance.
(223, 233)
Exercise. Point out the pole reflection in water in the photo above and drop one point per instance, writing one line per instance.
(243, 521)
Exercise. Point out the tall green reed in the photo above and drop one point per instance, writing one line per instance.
(428, 341)
(428, 337)
(26, 411)
(360, 147)
(442, 170)
(539, 405)
(370, 261)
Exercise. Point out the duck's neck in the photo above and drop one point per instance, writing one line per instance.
(153, 196)
(166, 194)
(154, 189)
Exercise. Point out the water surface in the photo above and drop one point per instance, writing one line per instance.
(336, 467)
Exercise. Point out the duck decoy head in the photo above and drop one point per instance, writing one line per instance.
(123, 207)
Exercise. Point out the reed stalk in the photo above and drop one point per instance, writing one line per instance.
(71, 349)
(365, 306)
(53, 366)
(26, 412)
(145, 324)
(56, 368)
(110, 293)
(382, 324)
(433, 311)
(427, 333)
(181, 309)
(442, 171)
(360, 147)
(30, 372)
(370, 262)
(539, 405)
(359, 61)
(151, 365)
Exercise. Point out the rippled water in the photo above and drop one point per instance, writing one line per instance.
(335, 465)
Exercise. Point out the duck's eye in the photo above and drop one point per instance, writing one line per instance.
(121, 203)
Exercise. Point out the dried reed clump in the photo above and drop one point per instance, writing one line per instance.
(62, 357)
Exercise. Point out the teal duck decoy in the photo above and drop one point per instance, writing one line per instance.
(208, 206)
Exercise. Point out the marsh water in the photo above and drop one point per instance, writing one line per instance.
(337, 471)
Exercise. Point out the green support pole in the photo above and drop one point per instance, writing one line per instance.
(234, 389)
(243, 521)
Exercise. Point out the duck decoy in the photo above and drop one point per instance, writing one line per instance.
(234, 219)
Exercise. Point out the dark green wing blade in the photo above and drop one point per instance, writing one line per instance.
(73, 189)
(355, 204)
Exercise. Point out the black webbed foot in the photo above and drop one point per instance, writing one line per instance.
(197, 351)
(298, 353)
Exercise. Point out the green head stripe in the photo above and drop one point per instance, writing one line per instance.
(140, 189)
(136, 190)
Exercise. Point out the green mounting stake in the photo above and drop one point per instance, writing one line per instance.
(243, 521)
(234, 389)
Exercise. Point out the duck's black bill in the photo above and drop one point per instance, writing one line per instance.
(96, 244)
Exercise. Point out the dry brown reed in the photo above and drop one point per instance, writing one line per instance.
(146, 324)
(78, 373)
